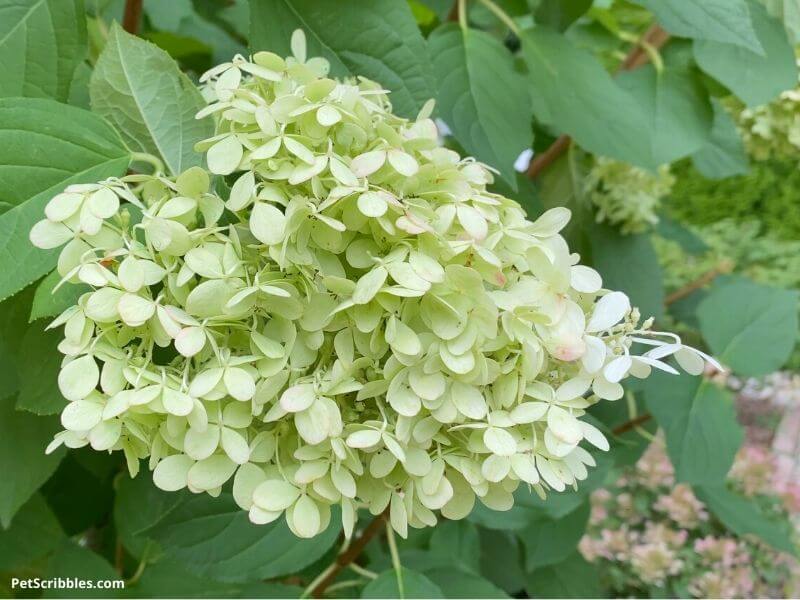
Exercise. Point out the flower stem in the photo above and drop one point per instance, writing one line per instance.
(398, 567)
(327, 577)
(502, 15)
(158, 166)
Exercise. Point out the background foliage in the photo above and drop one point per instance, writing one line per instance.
(81, 99)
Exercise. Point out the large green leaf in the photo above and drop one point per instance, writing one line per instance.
(550, 540)
(213, 537)
(139, 88)
(45, 146)
(753, 77)
(41, 44)
(38, 365)
(787, 11)
(415, 585)
(23, 463)
(751, 328)
(458, 543)
(34, 533)
(501, 560)
(726, 21)
(72, 560)
(167, 579)
(471, 66)
(677, 107)
(724, 154)
(43, 143)
(49, 302)
(699, 421)
(743, 516)
(377, 39)
(629, 263)
(560, 14)
(573, 92)
(454, 582)
(138, 505)
(571, 578)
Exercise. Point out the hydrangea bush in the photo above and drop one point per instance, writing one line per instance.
(357, 321)
(648, 533)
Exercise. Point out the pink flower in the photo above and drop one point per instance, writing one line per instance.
(653, 563)
(682, 506)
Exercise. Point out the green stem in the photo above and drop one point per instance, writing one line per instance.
(319, 579)
(398, 567)
(502, 15)
(462, 14)
(158, 166)
(362, 571)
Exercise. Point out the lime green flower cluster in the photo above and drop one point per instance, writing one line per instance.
(360, 323)
(627, 196)
(771, 131)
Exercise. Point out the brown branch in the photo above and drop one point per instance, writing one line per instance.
(632, 424)
(452, 16)
(655, 37)
(351, 554)
(132, 16)
(721, 269)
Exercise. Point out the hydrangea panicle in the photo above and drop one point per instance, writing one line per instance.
(360, 322)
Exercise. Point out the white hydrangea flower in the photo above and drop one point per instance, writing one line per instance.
(366, 326)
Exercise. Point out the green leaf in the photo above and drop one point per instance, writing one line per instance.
(415, 585)
(167, 579)
(138, 505)
(23, 463)
(454, 582)
(43, 143)
(560, 14)
(47, 303)
(377, 39)
(677, 106)
(787, 11)
(38, 365)
(571, 578)
(670, 229)
(629, 263)
(45, 146)
(34, 533)
(574, 93)
(213, 537)
(724, 155)
(501, 560)
(180, 17)
(548, 541)
(743, 516)
(140, 89)
(751, 328)
(458, 543)
(470, 67)
(726, 21)
(80, 491)
(41, 44)
(755, 78)
(699, 421)
(74, 561)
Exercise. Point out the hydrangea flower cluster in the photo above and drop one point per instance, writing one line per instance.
(358, 322)
(647, 532)
(627, 196)
(771, 131)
